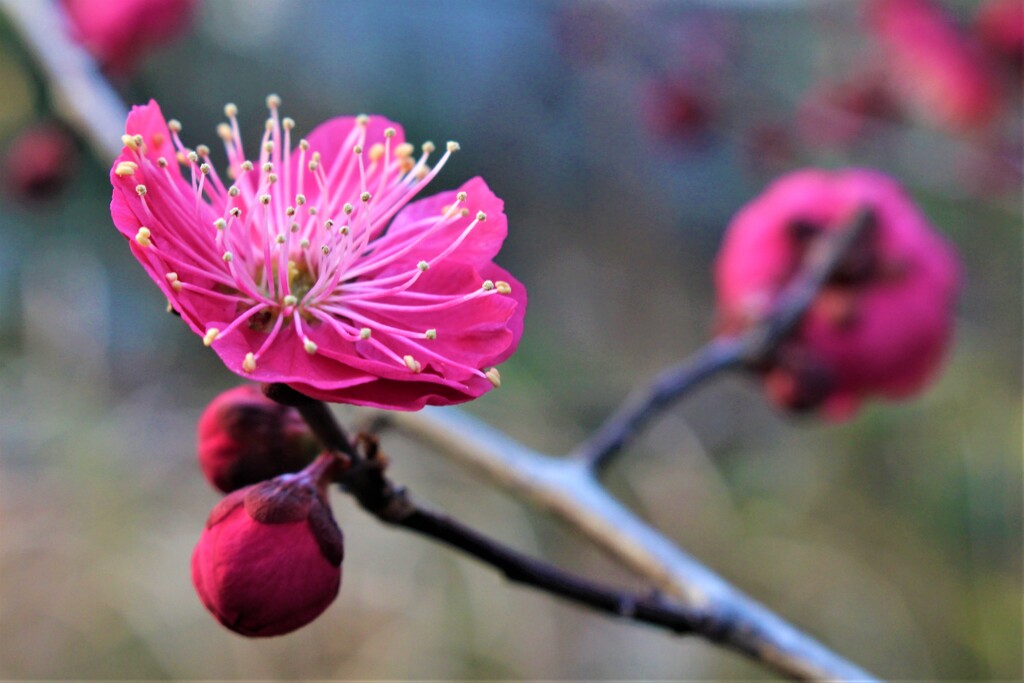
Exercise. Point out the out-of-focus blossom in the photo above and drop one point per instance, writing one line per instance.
(245, 438)
(834, 115)
(1000, 27)
(269, 560)
(880, 325)
(312, 268)
(39, 162)
(118, 33)
(677, 110)
(934, 68)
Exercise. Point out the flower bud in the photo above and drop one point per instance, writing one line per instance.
(269, 560)
(245, 437)
(878, 327)
(40, 162)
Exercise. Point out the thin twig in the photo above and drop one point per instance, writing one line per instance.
(749, 349)
(365, 479)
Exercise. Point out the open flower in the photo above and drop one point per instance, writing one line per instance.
(311, 266)
(879, 326)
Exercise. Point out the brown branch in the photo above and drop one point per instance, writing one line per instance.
(750, 349)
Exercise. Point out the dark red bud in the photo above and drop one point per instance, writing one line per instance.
(244, 438)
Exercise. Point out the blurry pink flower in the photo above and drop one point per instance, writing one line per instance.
(1000, 27)
(677, 109)
(835, 114)
(314, 269)
(245, 438)
(269, 560)
(119, 32)
(39, 162)
(935, 68)
(882, 323)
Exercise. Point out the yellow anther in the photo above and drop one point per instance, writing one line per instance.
(365, 197)
(205, 169)
(125, 168)
(233, 191)
(362, 119)
(247, 166)
(412, 363)
(309, 345)
(304, 144)
(464, 213)
(406, 164)
(202, 150)
(328, 224)
(428, 147)
(287, 123)
(235, 211)
(176, 285)
(210, 336)
(487, 285)
(280, 239)
(141, 190)
(430, 334)
(403, 150)
(128, 141)
(343, 230)
(220, 224)
(193, 157)
(271, 178)
(268, 146)
(304, 243)
(300, 199)
(249, 364)
(376, 151)
(493, 376)
(294, 227)
(348, 209)
(171, 277)
(162, 162)
(264, 199)
(390, 132)
(358, 149)
(423, 266)
(230, 110)
(290, 211)
(365, 333)
(291, 300)
(137, 139)
(453, 146)
(223, 131)
(273, 101)
(267, 167)
(461, 196)
(174, 125)
(481, 216)
(228, 257)
(503, 287)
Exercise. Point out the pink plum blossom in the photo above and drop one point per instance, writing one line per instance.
(311, 265)
(881, 324)
(119, 32)
(933, 67)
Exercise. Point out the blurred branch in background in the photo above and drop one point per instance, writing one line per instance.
(78, 91)
(724, 353)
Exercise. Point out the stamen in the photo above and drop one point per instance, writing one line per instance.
(493, 376)
(142, 237)
(412, 363)
(126, 168)
(309, 345)
(210, 336)
(249, 364)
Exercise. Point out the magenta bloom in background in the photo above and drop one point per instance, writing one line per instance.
(936, 69)
(119, 32)
(314, 268)
(880, 326)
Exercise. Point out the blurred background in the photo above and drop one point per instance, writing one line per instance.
(622, 136)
